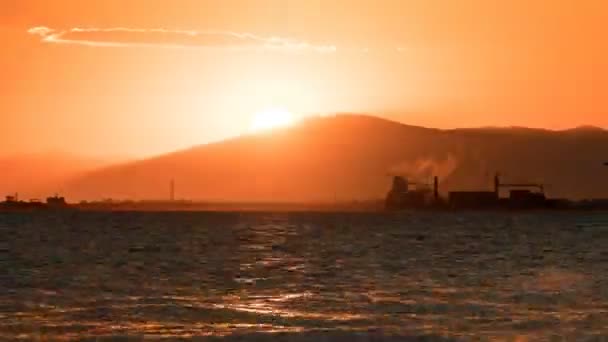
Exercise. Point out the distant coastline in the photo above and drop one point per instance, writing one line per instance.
(202, 206)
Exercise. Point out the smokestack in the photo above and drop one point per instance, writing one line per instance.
(436, 187)
(496, 184)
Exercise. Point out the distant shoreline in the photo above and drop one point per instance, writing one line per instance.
(368, 206)
(356, 207)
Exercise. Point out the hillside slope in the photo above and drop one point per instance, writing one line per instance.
(348, 157)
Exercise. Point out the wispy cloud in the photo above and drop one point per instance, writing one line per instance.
(175, 39)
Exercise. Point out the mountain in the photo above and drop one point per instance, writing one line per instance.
(346, 157)
(38, 175)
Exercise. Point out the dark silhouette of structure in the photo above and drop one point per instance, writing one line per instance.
(12, 198)
(520, 196)
(56, 201)
(12, 203)
(404, 194)
(172, 191)
(473, 199)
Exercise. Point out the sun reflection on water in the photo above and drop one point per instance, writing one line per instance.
(300, 274)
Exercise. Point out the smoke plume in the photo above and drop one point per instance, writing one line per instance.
(424, 168)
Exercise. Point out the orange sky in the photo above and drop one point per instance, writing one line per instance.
(139, 77)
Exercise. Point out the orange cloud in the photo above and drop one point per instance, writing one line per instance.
(166, 38)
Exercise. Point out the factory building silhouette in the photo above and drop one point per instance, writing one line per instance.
(405, 194)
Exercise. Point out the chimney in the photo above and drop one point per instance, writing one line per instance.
(436, 187)
(496, 184)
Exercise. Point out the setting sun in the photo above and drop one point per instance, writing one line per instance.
(271, 118)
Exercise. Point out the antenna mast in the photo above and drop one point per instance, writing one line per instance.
(172, 190)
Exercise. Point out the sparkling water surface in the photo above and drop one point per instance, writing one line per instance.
(125, 276)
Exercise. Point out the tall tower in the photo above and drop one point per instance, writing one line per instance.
(172, 191)
(497, 184)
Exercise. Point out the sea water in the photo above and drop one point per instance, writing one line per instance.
(496, 276)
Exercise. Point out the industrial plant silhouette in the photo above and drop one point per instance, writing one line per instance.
(521, 196)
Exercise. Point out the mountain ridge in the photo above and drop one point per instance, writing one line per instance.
(348, 157)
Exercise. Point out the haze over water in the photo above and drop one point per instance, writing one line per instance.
(455, 276)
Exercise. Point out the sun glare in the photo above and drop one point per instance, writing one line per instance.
(271, 118)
